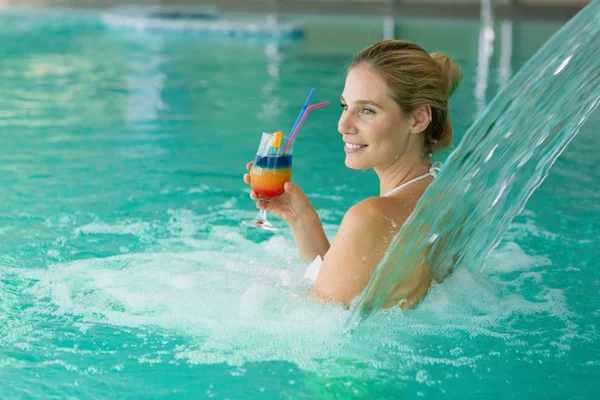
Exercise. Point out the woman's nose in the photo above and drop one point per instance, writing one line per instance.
(346, 125)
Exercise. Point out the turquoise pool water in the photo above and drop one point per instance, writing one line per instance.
(124, 272)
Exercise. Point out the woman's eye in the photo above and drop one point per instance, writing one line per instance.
(368, 111)
(344, 106)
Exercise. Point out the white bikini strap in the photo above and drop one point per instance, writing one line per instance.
(433, 171)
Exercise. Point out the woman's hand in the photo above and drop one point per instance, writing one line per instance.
(291, 206)
(295, 209)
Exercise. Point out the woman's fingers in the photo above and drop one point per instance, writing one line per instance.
(247, 178)
(262, 204)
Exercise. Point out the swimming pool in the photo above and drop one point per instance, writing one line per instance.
(125, 273)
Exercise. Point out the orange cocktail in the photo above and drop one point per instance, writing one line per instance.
(269, 173)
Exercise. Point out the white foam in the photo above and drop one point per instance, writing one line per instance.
(127, 228)
(237, 301)
(510, 257)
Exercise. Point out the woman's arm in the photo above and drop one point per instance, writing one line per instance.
(309, 236)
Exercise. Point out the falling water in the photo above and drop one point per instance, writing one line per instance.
(503, 158)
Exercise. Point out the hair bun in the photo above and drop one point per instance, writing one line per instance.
(450, 71)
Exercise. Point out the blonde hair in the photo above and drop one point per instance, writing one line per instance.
(416, 78)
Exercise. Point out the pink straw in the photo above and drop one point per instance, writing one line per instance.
(295, 131)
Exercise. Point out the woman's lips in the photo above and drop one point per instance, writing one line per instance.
(353, 147)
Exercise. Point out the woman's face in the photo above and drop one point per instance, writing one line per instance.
(374, 128)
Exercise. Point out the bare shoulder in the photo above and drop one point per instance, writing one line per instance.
(378, 213)
(364, 235)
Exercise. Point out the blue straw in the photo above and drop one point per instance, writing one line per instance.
(303, 110)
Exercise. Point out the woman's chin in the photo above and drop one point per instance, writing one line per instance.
(353, 163)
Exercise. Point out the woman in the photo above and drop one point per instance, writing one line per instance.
(394, 115)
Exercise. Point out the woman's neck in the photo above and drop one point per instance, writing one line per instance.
(400, 171)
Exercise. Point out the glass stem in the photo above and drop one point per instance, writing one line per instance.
(262, 215)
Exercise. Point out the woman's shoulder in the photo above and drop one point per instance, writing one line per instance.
(378, 213)
(364, 236)
(380, 207)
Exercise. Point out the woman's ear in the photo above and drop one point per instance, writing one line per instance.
(421, 118)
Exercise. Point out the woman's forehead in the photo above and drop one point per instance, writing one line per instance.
(364, 83)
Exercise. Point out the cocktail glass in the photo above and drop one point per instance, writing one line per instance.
(270, 171)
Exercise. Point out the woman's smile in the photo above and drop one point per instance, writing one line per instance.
(350, 147)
